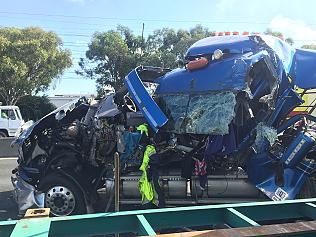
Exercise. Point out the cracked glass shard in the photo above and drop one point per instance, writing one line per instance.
(265, 135)
(209, 113)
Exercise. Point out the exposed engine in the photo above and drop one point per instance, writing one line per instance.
(219, 129)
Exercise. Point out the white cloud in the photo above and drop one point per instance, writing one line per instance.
(295, 28)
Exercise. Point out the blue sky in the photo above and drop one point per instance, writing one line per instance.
(76, 20)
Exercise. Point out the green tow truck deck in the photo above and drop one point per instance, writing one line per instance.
(271, 218)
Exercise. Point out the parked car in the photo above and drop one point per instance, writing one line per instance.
(218, 130)
(10, 120)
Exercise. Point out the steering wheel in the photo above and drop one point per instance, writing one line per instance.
(130, 104)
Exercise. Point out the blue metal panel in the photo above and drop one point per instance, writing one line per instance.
(303, 70)
(227, 74)
(240, 44)
(261, 172)
(284, 51)
(155, 117)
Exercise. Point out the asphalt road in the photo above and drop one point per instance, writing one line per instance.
(8, 207)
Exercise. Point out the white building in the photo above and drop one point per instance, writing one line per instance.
(60, 100)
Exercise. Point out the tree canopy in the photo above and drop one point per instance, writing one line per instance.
(30, 59)
(279, 35)
(309, 46)
(34, 107)
(112, 54)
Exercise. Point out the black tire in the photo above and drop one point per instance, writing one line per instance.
(309, 189)
(62, 195)
(3, 134)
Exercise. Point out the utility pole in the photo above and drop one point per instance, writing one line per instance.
(142, 45)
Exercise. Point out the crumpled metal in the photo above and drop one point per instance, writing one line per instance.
(26, 196)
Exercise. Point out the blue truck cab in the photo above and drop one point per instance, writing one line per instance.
(220, 130)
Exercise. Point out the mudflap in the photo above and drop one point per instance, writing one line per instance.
(264, 173)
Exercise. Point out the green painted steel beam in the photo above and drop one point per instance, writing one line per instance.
(85, 225)
(6, 227)
(145, 227)
(273, 212)
(236, 219)
(309, 210)
(32, 227)
(146, 221)
(185, 218)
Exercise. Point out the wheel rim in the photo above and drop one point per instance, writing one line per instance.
(60, 200)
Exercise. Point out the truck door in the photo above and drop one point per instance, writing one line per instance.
(155, 117)
(4, 119)
(14, 122)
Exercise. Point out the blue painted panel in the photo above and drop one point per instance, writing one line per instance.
(303, 70)
(240, 44)
(155, 117)
(227, 74)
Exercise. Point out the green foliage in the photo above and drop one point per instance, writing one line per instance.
(30, 59)
(279, 35)
(35, 107)
(309, 46)
(112, 54)
(289, 40)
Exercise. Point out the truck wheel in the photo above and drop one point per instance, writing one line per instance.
(309, 189)
(3, 134)
(62, 195)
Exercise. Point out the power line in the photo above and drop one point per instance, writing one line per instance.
(129, 19)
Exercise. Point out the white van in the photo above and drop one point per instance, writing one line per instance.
(10, 120)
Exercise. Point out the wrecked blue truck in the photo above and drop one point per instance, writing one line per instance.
(219, 130)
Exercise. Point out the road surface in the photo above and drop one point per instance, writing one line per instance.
(8, 208)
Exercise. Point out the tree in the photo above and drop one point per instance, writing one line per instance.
(30, 59)
(166, 47)
(35, 107)
(112, 54)
(108, 58)
(309, 46)
(279, 35)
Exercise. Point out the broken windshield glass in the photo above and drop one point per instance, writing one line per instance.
(209, 113)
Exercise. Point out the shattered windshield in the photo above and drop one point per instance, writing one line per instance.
(209, 113)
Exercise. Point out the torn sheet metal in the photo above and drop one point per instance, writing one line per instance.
(201, 114)
(228, 74)
(284, 51)
(26, 196)
(265, 135)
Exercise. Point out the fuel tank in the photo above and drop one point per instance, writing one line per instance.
(178, 190)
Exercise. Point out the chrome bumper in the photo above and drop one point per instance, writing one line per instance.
(26, 195)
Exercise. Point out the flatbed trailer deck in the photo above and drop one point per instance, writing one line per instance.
(271, 218)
